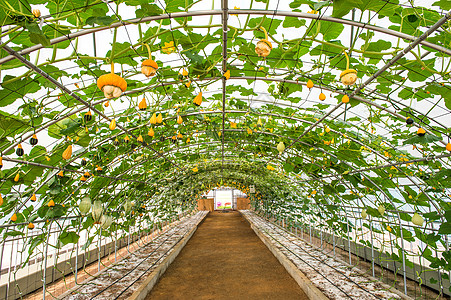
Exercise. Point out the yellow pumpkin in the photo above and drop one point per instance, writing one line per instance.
(310, 84)
(264, 46)
(112, 85)
(30, 226)
(151, 132)
(143, 104)
(14, 218)
(153, 119)
(51, 203)
(179, 120)
(160, 118)
(198, 99)
(113, 124)
(149, 67)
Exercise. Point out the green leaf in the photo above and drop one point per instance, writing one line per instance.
(443, 4)
(343, 7)
(68, 237)
(101, 20)
(427, 138)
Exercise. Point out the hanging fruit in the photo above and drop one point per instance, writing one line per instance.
(364, 214)
(160, 118)
(140, 139)
(87, 175)
(322, 97)
(348, 76)
(30, 226)
(14, 217)
(174, 139)
(83, 162)
(409, 121)
(68, 152)
(99, 169)
(226, 75)
(19, 150)
(421, 132)
(1, 162)
(88, 116)
(16, 178)
(51, 203)
(309, 84)
(198, 99)
(97, 211)
(33, 140)
(151, 133)
(33, 198)
(112, 85)
(106, 221)
(179, 120)
(448, 147)
(116, 142)
(113, 124)
(128, 206)
(126, 139)
(259, 122)
(153, 119)
(83, 178)
(143, 104)
(264, 46)
(281, 147)
(1, 200)
(61, 174)
(417, 219)
(381, 209)
(187, 84)
(345, 99)
(85, 205)
(36, 13)
(107, 103)
(149, 67)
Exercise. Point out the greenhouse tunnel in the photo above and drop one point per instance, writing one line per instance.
(328, 121)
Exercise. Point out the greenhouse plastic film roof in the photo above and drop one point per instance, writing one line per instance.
(338, 112)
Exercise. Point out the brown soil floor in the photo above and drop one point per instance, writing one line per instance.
(226, 260)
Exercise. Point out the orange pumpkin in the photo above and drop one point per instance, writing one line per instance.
(112, 85)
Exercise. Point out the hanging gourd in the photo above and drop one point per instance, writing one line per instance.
(87, 174)
(30, 226)
(198, 99)
(364, 214)
(151, 133)
(106, 221)
(153, 119)
(19, 150)
(107, 103)
(112, 85)
(33, 198)
(226, 75)
(259, 122)
(309, 84)
(51, 203)
(68, 152)
(97, 211)
(264, 46)
(113, 124)
(99, 169)
(448, 147)
(417, 219)
(345, 99)
(187, 84)
(348, 76)
(83, 178)
(128, 206)
(160, 118)
(140, 139)
(83, 162)
(16, 178)
(1, 162)
(85, 205)
(174, 139)
(126, 139)
(1, 200)
(149, 67)
(409, 121)
(61, 174)
(87, 117)
(381, 209)
(33, 140)
(322, 97)
(421, 132)
(281, 147)
(179, 120)
(143, 104)
(179, 136)
(14, 218)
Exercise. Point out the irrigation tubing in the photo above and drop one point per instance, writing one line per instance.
(319, 260)
(137, 265)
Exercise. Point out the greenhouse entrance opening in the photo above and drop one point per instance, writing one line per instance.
(223, 199)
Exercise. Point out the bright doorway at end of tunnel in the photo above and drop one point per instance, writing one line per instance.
(225, 199)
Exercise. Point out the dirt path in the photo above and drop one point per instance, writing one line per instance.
(226, 260)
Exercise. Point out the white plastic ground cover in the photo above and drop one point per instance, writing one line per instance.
(124, 277)
(334, 278)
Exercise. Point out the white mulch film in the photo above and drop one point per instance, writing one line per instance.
(118, 271)
(341, 278)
